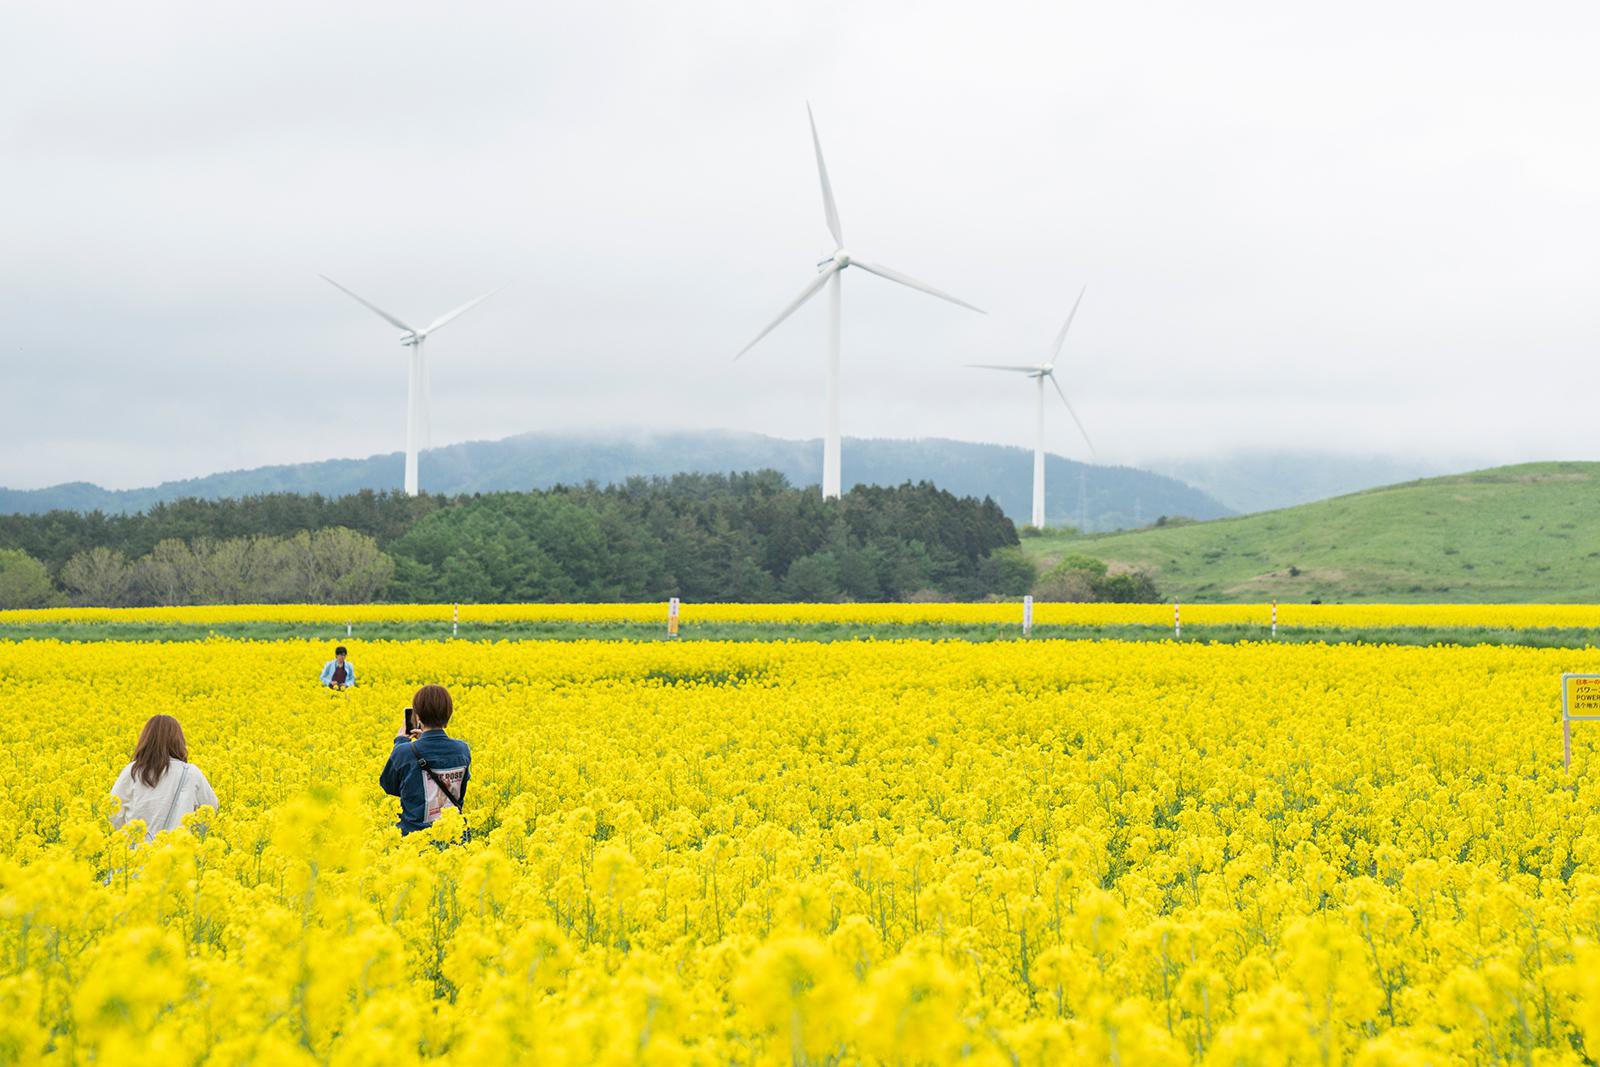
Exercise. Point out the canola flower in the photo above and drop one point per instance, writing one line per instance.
(882, 852)
(999, 614)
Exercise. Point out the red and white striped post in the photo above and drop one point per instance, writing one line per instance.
(1274, 619)
(1177, 623)
(455, 619)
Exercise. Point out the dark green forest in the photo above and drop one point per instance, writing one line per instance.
(740, 537)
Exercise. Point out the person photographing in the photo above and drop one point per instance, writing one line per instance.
(427, 769)
(338, 672)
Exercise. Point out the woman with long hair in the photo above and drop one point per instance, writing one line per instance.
(161, 786)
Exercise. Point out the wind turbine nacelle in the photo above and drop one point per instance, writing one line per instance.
(842, 258)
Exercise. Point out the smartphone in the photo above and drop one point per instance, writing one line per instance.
(411, 721)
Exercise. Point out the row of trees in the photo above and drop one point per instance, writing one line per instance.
(334, 566)
(744, 537)
(740, 537)
(57, 536)
(747, 537)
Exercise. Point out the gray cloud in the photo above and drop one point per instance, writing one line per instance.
(1369, 227)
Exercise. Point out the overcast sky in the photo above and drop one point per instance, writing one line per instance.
(1360, 227)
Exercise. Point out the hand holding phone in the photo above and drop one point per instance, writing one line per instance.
(411, 722)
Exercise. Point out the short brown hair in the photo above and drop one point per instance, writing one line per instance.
(432, 705)
(160, 742)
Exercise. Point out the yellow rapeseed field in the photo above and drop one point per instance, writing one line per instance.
(880, 851)
(1321, 616)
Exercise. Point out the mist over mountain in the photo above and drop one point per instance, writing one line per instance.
(1264, 481)
(1109, 498)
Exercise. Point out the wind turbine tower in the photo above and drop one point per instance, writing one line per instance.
(418, 384)
(1039, 372)
(828, 272)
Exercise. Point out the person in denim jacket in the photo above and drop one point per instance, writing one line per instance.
(427, 769)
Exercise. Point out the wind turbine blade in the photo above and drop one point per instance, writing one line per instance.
(906, 280)
(810, 291)
(1061, 338)
(369, 306)
(460, 311)
(1007, 366)
(1074, 414)
(828, 207)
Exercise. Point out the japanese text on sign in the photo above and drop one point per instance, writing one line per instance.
(1583, 695)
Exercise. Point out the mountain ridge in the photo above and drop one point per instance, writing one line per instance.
(1267, 480)
(1114, 497)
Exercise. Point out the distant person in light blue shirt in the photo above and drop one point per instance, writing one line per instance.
(338, 672)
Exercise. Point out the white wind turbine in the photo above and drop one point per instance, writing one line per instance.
(1039, 372)
(828, 272)
(418, 384)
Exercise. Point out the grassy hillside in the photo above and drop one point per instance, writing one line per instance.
(1528, 533)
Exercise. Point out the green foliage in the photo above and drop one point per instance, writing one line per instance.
(1008, 572)
(741, 537)
(1051, 533)
(1083, 579)
(1127, 587)
(1078, 563)
(24, 581)
(1071, 580)
(99, 576)
(333, 566)
(57, 536)
(812, 578)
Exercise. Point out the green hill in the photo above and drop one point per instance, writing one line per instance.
(1528, 533)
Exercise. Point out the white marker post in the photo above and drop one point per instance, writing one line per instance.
(455, 620)
(347, 628)
(1027, 615)
(1580, 702)
(672, 617)
(1274, 620)
(1177, 623)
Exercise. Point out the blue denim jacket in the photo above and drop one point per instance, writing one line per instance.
(421, 799)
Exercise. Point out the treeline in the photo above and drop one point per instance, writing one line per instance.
(334, 566)
(56, 536)
(741, 537)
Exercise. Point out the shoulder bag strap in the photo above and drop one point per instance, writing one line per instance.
(438, 781)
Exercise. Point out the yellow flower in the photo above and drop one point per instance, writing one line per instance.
(796, 988)
(913, 1010)
(890, 851)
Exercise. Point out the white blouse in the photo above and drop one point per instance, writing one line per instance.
(152, 803)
